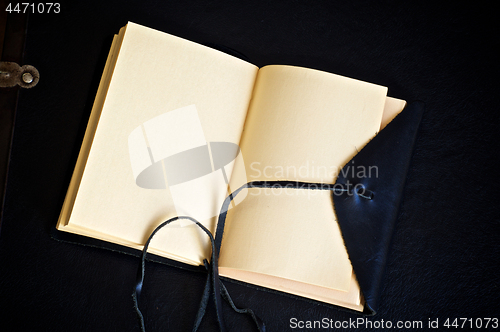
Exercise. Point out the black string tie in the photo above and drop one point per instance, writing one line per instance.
(213, 284)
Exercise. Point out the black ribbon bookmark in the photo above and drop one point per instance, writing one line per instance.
(213, 284)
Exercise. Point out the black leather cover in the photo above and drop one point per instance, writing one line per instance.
(367, 213)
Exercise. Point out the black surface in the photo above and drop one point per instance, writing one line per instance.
(443, 260)
(12, 37)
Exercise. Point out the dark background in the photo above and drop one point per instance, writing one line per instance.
(444, 259)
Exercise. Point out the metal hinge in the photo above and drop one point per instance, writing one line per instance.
(11, 74)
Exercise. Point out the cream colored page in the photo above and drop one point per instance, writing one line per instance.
(302, 125)
(351, 299)
(287, 233)
(305, 124)
(157, 74)
(392, 108)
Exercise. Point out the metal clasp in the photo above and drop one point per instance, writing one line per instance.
(11, 74)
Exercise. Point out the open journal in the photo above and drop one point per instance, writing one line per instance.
(176, 126)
